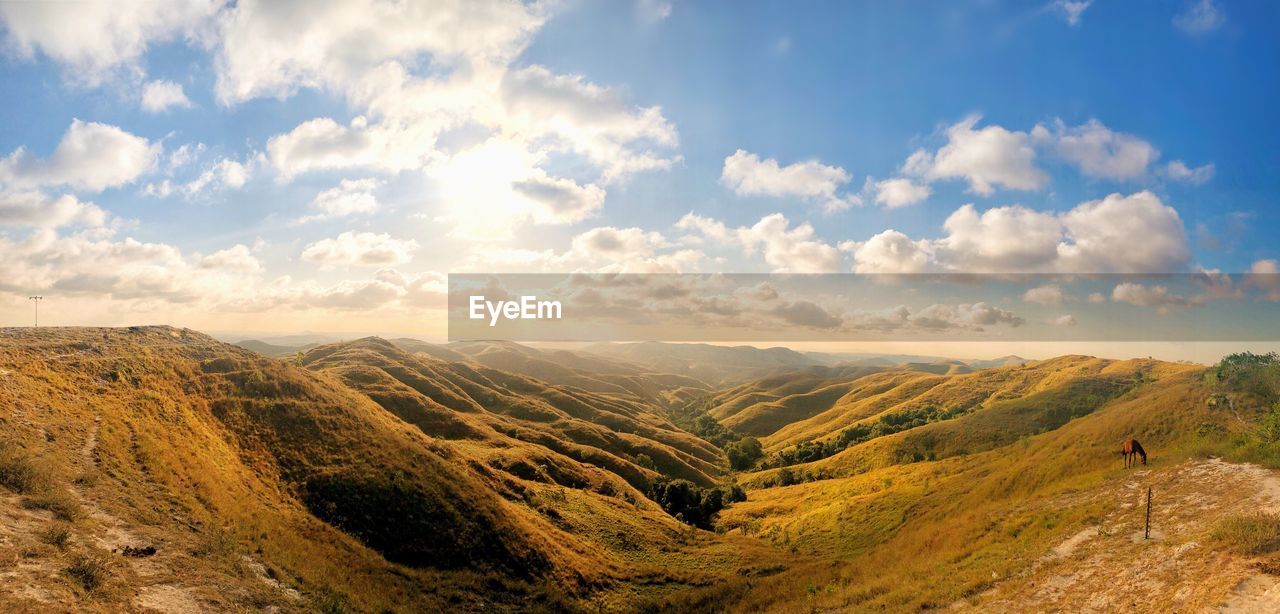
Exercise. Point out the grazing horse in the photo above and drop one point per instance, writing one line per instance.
(1131, 451)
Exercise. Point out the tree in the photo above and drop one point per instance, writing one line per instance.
(744, 453)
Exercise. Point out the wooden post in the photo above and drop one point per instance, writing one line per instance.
(1147, 534)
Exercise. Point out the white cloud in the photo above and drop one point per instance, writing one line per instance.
(1064, 320)
(364, 248)
(589, 120)
(235, 258)
(747, 175)
(617, 242)
(985, 157)
(1050, 294)
(890, 252)
(1010, 238)
(786, 249)
(1200, 17)
(226, 173)
(1099, 151)
(1093, 237)
(899, 192)
(36, 209)
(159, 96)
(481, 132)
(1124, 234)
(184, 155)
(350, 197)
(1179, 171)
(94, 39)
(1071, 10)
(274, 48)
(90, 156)
(1152, 296)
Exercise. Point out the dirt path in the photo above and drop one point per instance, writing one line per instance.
(1111, 566)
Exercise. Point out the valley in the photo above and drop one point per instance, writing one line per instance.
(395, 475)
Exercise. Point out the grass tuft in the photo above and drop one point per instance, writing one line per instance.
(90, 570)
(1250, 534)
(19, 473)
(57, 535)
(63, 506)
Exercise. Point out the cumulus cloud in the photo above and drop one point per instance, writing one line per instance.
(95, 39)
(519, 118)
(1099, 151)
(1179, 171)
(1010, 238)
(351, 196)
(235, 258)
(898, 192)
(748, 175)
(1156, 296)
(1118, 234)
(223, 174)
(787, 249)
(890, 252)
(364, 249)
(1200, 17)
(90, 157)
(1050, 294)
(38, 210)
(1124, 234)
(1064, 320)
(160, 96)
(985, 157)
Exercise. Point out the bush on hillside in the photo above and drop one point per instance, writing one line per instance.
(692, 504)
(1257, 375)
(744, 453)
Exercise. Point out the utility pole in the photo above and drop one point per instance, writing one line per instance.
(36, 301)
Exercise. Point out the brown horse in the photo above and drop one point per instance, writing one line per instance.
(1131, 451)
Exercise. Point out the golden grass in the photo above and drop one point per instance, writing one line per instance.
(1249, 534)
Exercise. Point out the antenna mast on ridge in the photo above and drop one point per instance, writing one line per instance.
(36, 300)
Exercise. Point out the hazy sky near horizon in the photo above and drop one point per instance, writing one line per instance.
(285, 166)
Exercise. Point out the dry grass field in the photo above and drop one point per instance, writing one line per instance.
(373, 476)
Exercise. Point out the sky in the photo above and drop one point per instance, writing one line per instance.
(287, 166)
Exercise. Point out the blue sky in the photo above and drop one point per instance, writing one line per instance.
(234, 166)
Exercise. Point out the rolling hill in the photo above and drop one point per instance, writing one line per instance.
(264, 484)
(372, 475)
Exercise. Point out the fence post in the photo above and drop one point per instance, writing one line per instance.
(1147, 533)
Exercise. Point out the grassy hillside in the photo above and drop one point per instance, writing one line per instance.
(1008, 481)
(369, 477)
(231, 463)
(592, 373)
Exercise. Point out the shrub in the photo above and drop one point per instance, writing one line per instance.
(744, 453)
(63, 506)
(18, 473)
(217, 542)
(1249, 534)
(90, 570)
(57, 536)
